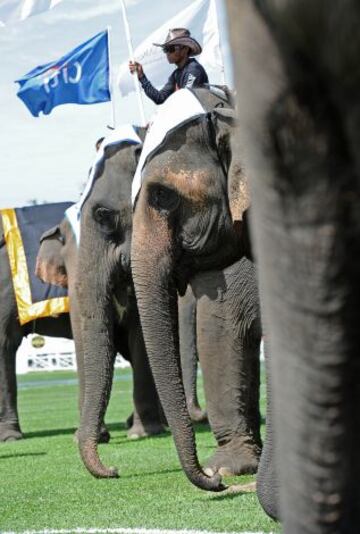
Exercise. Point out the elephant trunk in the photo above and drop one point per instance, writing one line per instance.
(157, 301)
(98, 371)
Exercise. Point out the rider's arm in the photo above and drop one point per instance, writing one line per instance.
(158, 96)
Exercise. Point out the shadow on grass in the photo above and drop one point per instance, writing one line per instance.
(199, 429)
(21, 454)
(65, 431)
(112, 427)
(49, 433)
(219, 497)
(152, 473)
(117, 426)
(121, 440)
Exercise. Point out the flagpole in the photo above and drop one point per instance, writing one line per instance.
(131, 54)
(221, 53)
(111, 87)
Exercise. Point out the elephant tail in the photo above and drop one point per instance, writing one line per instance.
(90, 457)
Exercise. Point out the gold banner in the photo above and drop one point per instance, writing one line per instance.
(27, 310)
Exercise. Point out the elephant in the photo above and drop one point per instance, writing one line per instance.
(182, 213)
(11, 335)
(103, 293)
(296, 75)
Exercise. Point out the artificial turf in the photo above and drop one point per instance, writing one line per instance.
(43, 484)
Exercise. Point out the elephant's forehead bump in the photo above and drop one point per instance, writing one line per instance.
(191, 183)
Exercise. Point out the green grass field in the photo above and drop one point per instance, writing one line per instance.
(43, 484)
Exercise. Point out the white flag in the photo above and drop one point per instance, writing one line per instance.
(17, 10)
(201, 19)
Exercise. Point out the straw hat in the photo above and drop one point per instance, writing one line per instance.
(181, 36)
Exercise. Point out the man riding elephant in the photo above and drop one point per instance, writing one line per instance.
(180, 48)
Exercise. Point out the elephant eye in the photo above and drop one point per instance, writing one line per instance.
(137, 153)
(106, 218)
(163, 198)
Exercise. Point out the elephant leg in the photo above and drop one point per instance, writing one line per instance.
(267, 480)
(229, 347)
(9, 419)
(146, 419)
(254, 415)
(189, 355)
(232, 419)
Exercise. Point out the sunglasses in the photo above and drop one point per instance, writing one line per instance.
(171, 49)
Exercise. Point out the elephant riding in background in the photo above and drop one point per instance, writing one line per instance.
(12, 331)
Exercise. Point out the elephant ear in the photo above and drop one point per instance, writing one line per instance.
(226, 125)
(50, 266)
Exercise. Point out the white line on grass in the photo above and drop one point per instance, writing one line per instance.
(124, 531)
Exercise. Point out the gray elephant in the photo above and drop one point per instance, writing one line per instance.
(297, 80)
(182, 212)
(104, 294)
(12, 332)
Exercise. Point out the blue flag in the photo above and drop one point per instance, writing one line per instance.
(80, 77)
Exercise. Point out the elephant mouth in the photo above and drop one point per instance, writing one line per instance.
(182, 277)
(123, 275)
(189, 264)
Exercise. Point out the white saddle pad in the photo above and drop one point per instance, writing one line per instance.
(122, 134)
(180, 107)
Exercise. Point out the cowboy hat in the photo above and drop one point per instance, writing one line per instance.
(181, 36)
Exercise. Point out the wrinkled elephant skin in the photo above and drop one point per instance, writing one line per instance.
(229, 337)
(297, 81)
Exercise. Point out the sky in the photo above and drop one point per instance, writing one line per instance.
(47, 159)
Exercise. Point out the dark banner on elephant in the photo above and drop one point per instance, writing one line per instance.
(23, 228)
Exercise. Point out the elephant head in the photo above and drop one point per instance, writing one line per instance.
(50, 264)
(182, 218)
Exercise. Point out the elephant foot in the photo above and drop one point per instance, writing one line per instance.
(144, 430)
(240, 456)
(10, 433)
(104, 435)
(197, 415)
(130, 420)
